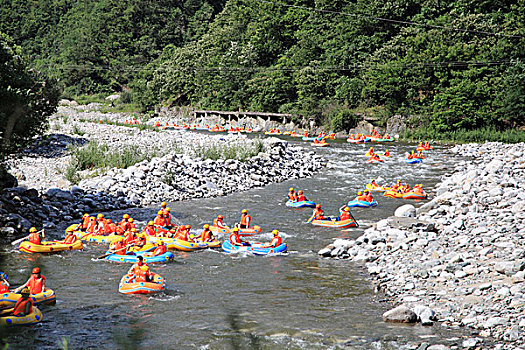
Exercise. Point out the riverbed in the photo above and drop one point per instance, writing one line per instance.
(215, 301)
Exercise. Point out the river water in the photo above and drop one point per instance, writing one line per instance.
(217, 301)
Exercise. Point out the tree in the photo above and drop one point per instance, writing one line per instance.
(27, 98)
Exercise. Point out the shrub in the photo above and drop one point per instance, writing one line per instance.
(343, 120)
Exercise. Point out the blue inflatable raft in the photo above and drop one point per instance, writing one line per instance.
(413, 160)
(362, 204)
(301, 204)
(132, 258)
(253, 248)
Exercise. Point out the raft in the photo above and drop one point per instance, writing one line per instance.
(377, 188)
(129, 286)
(242, 231)
(49, 246)
(301, 204)
(253, 248)
(132, 258)
(174, 243)
(334, 223)
(273, 133)
(413, 160)
(413, 195)
(393, 194)
(424, 149)
(375, 161)
(362, 204)
(100, 238)
(33, 318)
(307, 138)
(384, 140)
(46, 297)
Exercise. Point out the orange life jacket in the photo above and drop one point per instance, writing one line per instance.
(387, 153)
(161, 249)
(292, 196)
(20, 307)
(301, 198)
(345, 215)
(34, 238)
(91, 226)
(235, 239)
(246, 220)
(140, 276)
(276, 241)
(112, 227)
(159, 221)
(318, 214)
(4, 288)
(206, 235)
(36, 284)
(150, 231)
(218, 222)
(70, 238)
(129, 237)
(85, 223)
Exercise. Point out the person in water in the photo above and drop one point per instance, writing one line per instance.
(246, 219)
(292, 196)
(387, 153)
(235, 238)
(36, 283)
(23, 306)
(275, 242)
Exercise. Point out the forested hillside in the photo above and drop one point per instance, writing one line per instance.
(457, 64)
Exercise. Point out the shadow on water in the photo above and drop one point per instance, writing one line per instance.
(241, 340)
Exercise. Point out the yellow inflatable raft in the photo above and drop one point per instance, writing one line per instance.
(49, 246)
(46, 297)
(34, 317)
(178, 244)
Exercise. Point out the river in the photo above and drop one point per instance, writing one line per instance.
(217, 301)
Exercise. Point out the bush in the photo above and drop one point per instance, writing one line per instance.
(343, 120)
(238, 152)
(463, 136)
(126, 97)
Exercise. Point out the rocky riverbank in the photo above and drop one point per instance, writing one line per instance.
(463, 254)
(177, 172)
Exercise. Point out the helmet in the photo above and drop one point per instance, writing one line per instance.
(386, 150)
(244, 211)
(346, 209)
(36, 270)
(130, 220)
(100, 216)
(85, 215)
(187, 227)
(144, 268)
(150, 223)
(220, 217)
(318, 206)
(398, 180)
(120, 239)
(275, 232)
(32, 229)
(142, 235)
(235, 229)
(300, 192)
(291, 189)
(25, 291)
(206, 226)
(366, 190)
(125, 216)
(133, 229)
(163, 204)
(92, 218)
(359, 193)
(168, 209)
(372, 180)
(160, 212)
(109, 221)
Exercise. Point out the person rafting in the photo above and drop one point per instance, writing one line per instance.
(101, 225)
(405, 188)
(4, 283)
(387, 154)
(368, 195)
(206, 234)
(150, 229)
(160, 249)
(420, 155)
(275, 242)
(235, 239)
(318, 213)
(159, 220)
(245, 219)
(183, 233)
(34, 236)
(218, 221)
(136, 266)
(92, 225)
(85, 222)
(168, 217)
(130, 236)
(360, 197)
(418, 188)
(300, 196)
(118, 246)
(70, 238)
(397, 185)
(412, 155)
(36, 282)
(370, 152)
(124, 223)
(292, 196)
(345, 214)
(373, 183)
(375, 157)
(163, 206)
(23, 306)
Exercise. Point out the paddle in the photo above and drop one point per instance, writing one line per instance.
(26, 237)
(310, 219)
(118, 250)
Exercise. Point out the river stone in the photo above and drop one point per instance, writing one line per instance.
(400, 314)
(471, 343)
(407, 210)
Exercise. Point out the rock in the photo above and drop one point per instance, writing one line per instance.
(495, 321)
(471, 343)
(407, 210)
(425, 314)
(326, 251)
(400, 314)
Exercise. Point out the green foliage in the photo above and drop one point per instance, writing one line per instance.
(490, 134)
(27, 99)
(77, 131)
(238, 152)
(343, 120)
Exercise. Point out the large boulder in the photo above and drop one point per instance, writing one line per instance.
(406, 211)
(400, 314)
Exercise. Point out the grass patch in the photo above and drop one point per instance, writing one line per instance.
(96, 156)
(87, 99)
(465, 136)
(77, 131)
(238, 152)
